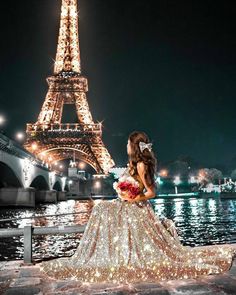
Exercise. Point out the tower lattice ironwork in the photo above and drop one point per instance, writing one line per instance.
(51, 140)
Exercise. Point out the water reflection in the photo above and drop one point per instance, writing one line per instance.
(202, 221)
(44, 245)
(199, 222)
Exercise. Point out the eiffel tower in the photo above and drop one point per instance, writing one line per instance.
(49, 139)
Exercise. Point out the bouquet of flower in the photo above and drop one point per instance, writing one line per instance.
(127, 185)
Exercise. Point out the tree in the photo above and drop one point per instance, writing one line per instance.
(215, 174)
(207, 175)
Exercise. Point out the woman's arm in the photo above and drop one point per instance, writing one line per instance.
(150, 190)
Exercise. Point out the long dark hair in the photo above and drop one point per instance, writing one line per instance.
(147, 157)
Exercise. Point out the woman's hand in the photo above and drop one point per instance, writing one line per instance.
(138, 198)
(126, 197)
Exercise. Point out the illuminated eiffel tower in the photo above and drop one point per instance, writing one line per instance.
(48, 138)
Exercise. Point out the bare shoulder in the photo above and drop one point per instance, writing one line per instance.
(141, 167)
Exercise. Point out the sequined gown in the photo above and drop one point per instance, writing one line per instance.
(127, 242)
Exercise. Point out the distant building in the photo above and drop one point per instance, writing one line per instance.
(117, 171)
(74, 172)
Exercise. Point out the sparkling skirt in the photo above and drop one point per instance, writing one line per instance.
(127, 242)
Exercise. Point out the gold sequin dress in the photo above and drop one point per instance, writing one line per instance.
(127, 242)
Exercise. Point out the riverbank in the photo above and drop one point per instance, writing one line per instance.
(20, 279)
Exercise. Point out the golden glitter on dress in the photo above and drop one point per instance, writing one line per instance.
(128, 242)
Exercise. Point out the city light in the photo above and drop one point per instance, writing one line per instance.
(97, 184)
(81, 165)
(163, 173)
(2, 119)
(20, 135)
(177, 180)
(34, 146)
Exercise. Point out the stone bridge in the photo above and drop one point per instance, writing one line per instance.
(24, 178)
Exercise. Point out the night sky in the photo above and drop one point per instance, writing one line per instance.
(167, 68)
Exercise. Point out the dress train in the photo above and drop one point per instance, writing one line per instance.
(127, 242)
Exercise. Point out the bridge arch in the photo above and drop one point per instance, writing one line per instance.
(40, 183)
(57, 186)
(8, 177)
(69, 153)
(66, 188)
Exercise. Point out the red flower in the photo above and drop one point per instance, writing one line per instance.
(131, 189)
(134, 190)
(124, 185)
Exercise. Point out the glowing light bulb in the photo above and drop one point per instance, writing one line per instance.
(34, 146)
(20, 135)
(2, 119)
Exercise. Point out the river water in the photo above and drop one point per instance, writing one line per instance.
(199, 221)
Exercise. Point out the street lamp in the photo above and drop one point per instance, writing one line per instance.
(2, 121)
(20, 136)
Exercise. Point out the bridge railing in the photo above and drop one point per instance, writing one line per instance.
(12, 147)
(28, 231)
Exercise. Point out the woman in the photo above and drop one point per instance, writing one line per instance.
(125, 241)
